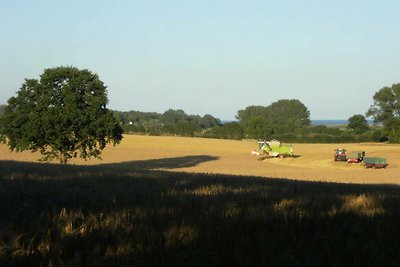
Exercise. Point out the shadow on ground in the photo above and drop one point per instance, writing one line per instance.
(128, 214)
(32, 169)
(164, 163)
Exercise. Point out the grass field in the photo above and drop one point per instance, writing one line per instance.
(167, 201)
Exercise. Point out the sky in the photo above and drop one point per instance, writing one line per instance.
(209, 57)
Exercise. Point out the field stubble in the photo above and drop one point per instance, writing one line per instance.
(313, 162)
(119, 212)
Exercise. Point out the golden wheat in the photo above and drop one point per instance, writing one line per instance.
(313, 162)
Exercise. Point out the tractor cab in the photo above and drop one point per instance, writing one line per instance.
(340, 154)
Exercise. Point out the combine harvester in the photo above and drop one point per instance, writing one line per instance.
(273, 149)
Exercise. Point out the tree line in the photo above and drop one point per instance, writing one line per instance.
(64, 114)
(177, 122)
(287, 120)
(171, 122)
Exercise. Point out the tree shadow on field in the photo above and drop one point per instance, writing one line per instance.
(128, 214)
(31, 169)
(163, 163)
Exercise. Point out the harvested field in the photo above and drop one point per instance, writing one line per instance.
(313, 162)
(119, 212)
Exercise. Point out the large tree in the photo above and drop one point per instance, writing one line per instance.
(288, 116)
(358, 124)
(62, 115)
(259, 128)
(246, 115)
(172, 116)
(285, 116)
(386, 109)
(2, 107)
(208, 121)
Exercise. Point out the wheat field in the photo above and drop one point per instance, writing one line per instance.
(120, 212)
(312, 162)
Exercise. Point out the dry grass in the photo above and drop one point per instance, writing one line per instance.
(120, 212)
(314, 161)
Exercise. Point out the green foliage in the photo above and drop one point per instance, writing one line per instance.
(132, 128)
(283, 116)
(136, 117)
(2, 107)
(173, 116)
(358, 124)
(230, 130)
(386, 109)
(246, 115)
(60, 115)
(171, 122)
(378, 135)
(152, 127)
(323, 129)
(288, 116)
(186, 128)
(208, 121)
(259, 128)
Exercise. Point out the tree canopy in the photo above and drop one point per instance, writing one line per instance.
(246, 115)
(2, 107)
(288, 116)
(259, 128)
(358, 123)
(386, 109)
(62, 114)
(283, 116)
(172, 116)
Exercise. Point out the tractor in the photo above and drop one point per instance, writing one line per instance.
(340, 154)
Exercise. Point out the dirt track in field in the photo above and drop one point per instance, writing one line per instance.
(313, 162)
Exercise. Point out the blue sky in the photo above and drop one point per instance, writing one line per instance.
(214, 57)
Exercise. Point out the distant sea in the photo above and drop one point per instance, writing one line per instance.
(329, 122)
(334, 122)
(318, 122)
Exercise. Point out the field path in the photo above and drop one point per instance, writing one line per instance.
(313, 162)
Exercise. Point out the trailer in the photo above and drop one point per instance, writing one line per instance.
(375, 163)
(355, 156)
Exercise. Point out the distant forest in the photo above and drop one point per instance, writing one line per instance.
(286, 120)
(177, 122)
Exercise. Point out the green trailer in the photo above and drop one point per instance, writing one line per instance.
(373, 162)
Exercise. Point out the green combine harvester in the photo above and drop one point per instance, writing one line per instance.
(273, 148)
